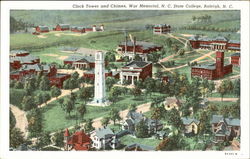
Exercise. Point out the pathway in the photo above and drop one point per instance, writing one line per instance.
(21, 120)
(218, 99)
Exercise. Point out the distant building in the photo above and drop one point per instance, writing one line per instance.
(212, 71)
(225, 129)
(218, 43)
(78, 29)
(104, 138)
(235, 59)
(20, 58)
(161, 28)
(81, 62)
(42, 29)
(79, 141)
(191, 125)
(62, 27)
(133, 118)
(136, 70)
(14, 53)
(141, 48)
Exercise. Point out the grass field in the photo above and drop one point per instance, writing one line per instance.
(55, 118)
(129, 139)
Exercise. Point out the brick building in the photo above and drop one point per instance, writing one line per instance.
(14, 53)
(22, 58)
(161, 28)
(136, 70)
(78, 141)
(235, 59)
(141, 48)
(42, 29)
(218, 43)
(212, 71)
(78, 29)
(62, 27)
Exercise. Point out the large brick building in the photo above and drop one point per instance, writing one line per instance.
(91, 74)
(235, 59)
(78, 61)
(218, 43)
(161, 28)
(42, 29)
(20, 58)
(77, 29)
(62, 27)
(141, 48)
(136, 70)
(212, 71)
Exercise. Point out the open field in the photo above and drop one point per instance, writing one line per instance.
(55, 118)
(129, 139)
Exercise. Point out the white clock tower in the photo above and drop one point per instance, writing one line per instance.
(100, 89)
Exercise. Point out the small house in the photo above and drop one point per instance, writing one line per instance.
(191, 125)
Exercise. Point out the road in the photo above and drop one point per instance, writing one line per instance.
(21, 119)
(218, 99)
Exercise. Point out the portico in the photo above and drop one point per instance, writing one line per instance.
(218, 46)
(133, 76)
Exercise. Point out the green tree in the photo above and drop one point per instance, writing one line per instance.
(58, 138)
(105, 121)
(69, 106)
(82, 109)
(28, 103)
(222, 89)
(136, 92)
(46, 97)
(110, 81)
(173, 118)
(236, 86)
(16, 137)
(66, 84)
(44, 140)
(114, 115)
(35, 125)
(60, 101)
(85, 93)
(141, 129)
(44, 83)
(39, 99)
(55, 92)
(88, 126)
(18, 85)
(132, 107)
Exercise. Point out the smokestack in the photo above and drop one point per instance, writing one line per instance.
(126, 43)
(134, 46)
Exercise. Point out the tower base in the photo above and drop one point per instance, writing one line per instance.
(101, 103)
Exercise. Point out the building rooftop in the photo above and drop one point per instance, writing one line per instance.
(104, 132)
(143, 44)
(162, 25)
(229, 121)
(64, 25)
(236, 54)
(140, 147)
(234, 41)
(24, 59)
(43, 27)
(36, 67)
(137, 64)
(188, 121)
(75, 58)
(209, 66)
(18, 51)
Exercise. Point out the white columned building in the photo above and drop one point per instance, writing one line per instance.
(100, 88)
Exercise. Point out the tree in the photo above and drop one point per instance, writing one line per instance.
(105, 121)
(137, 57)
(39, 99)
(235, 109)
(85, 93)
(114, 93)
(18, 85)
(44, 140)
(141, 129)
(28, 103)
(44, 84)
(149, 84)
(236, 86)
(222, 89)
(204, 126)
(82, 110)
(136, 92)
(59, 138)
(69, 106)
(46, 97)
(132, 107)
(171, 143)
(66, 84)
(75, 75)
(173, 118)
(114, 115)
(55, 92)
(60, 101)
(110, 81)
(88, 126)
(35, 124)
(16, 137)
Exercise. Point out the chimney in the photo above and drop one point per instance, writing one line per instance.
(134, 46)
(126, 43)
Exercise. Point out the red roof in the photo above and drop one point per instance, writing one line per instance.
(66, 133)
(80, 141)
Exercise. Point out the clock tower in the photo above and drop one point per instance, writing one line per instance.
(220, 64)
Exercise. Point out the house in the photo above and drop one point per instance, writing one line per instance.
(136, 70)
(94, 28)
(133, 118)
(139, 147)
(17, 61)
(62, 27)
(14, 53)
(217, 43)
(77, 29)
(104, 138)
(90, 74)
(42, 29)
(161, 28)
(212, 71)
(235, 59)
(80, 62)
(78, 141)
(191, 125)
(141, 48)
(225, 129)
(172, 102)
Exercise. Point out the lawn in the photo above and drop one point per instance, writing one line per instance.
(129, 139)
(55, 118)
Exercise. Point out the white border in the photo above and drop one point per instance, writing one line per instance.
(59, 5)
